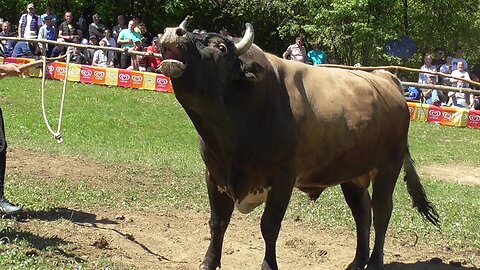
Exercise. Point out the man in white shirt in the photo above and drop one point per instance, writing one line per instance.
(296, 52)
(458, 57)
(458, 99)
(29, 22)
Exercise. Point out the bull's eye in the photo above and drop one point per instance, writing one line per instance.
(222, 48)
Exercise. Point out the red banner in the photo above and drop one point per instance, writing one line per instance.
(162, 83)
(124, 78)
(435, 114)
(86, 74)
(473, 119)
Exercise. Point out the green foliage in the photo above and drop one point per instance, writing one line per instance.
(353, 31)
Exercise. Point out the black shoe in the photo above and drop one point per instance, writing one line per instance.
(8, 208)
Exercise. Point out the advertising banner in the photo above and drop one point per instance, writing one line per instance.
(137, 79)
(124, 78)
(99, 74)
(74, 72)
(111, 76)
(452, 116)
(60, 70)
(161, 83)
(50, 70)
(435, 114)
(418, 111)
(473, 120)
(149, 80)
(86, 74)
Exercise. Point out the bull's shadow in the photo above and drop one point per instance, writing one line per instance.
(63, 213)
(426, 266)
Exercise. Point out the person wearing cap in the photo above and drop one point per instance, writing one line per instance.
(47, 32)
(93, 41)
(126, 39)
(29, 22)
(6, 207)
(96, 28)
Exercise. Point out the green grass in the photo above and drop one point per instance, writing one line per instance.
(142, 133)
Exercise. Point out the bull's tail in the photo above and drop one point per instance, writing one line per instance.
(416, 191)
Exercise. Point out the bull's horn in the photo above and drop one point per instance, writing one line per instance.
(244, 44)
(185, 22)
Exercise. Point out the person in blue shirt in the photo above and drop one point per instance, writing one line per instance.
(48, 32)
(316, 56)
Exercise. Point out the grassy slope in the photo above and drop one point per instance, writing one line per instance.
(148, 133)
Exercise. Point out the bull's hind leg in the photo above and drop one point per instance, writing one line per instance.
(276, 205)
(221, 207)
(382, 204)
(358, 200)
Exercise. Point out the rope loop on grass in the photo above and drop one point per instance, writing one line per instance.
(56, 134)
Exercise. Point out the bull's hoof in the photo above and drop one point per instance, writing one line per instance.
(375, 267)
(209, 266)
(357, 265)
(265, 266)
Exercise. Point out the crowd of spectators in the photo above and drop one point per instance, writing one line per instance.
(131, 35)
(455, 66)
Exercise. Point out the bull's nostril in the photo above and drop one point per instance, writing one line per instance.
(180, 31)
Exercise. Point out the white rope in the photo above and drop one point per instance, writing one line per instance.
(57, 135)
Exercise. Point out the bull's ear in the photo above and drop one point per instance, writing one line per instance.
(251, 70)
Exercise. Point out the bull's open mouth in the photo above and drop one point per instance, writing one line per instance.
(171, 52)
(173, 64)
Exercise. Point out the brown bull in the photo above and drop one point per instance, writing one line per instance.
(267, 125)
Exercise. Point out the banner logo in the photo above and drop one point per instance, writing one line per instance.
(124, 77)
(86, 72)
(61, 70)
(162, 81)
(474, 118)
(435, 114)
(99, 74)
(137, 78)
(447, 115)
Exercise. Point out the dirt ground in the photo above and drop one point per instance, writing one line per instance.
(177, 239)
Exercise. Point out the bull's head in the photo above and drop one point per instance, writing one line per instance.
(188, 54)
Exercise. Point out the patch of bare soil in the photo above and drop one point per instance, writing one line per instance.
(177, 239)
(453, 173)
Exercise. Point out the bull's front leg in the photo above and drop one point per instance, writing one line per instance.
(221, 207)
(276, 206)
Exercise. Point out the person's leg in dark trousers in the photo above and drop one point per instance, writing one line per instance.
(6, 207)
(125, 60)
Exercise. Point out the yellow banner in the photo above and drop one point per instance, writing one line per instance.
(111, 78)
(149, 80)
(74, 72)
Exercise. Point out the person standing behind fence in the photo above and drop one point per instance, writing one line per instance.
(47, 32)
(427, 66)
(438, 60)
(67, 29)
(296, 52)
(458, 57)
(458, 99)
(126, 40)
(316, 56)
(96, 28)
(48, 12)
(29, 22)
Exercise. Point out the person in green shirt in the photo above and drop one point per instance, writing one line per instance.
(127, 39)
(316, 56)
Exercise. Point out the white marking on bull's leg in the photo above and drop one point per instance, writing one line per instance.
(222, 189)
(252, 200)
